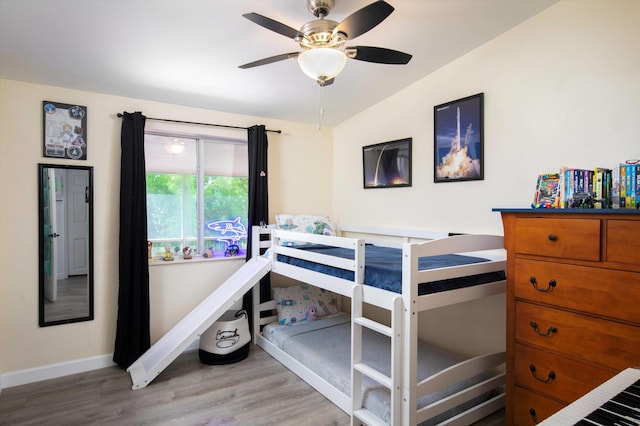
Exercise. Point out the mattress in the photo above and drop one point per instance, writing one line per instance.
(383, 268)
(323, 346)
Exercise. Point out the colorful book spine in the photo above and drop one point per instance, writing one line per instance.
(631, 169)
(606, 188)
(637, 186)
(568, 186)
(576, 181)
(623, 186)
(562, 194)
(615, 186)
(597, 187)
(602, 187)
(629, 188)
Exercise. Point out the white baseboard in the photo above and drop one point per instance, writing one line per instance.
(53, 371)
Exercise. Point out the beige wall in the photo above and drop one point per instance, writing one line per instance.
(562, 89)
(175, 289)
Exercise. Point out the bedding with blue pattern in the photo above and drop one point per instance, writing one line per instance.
(383, 268)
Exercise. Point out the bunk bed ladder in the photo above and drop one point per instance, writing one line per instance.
(359, 369)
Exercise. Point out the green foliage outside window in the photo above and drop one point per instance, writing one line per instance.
(225, 198)
(172, 209)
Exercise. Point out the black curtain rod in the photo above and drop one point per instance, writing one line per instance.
(203, 124)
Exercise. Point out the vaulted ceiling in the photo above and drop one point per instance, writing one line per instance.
(187, 52)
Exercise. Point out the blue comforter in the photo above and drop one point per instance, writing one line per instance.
(383, 268)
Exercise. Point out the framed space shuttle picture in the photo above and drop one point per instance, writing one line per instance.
(459, 140)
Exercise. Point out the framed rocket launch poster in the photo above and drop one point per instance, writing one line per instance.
(65, 130)
(459, 140)
(387, 165)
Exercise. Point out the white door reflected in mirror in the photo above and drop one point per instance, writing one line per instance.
(66, 250)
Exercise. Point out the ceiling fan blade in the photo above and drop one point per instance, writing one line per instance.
(378, 55)
(364, 19)
(270, 60)
(273, 25)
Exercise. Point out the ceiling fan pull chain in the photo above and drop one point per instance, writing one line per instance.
(320, 106)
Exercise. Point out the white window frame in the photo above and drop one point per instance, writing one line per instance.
(200, 141)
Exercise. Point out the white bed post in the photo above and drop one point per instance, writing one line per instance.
(257, 246)
(356, 352)
(357, 311)
(255, 296)
(409, 336)
(397, 317)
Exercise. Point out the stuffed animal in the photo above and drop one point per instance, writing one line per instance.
(311, 313)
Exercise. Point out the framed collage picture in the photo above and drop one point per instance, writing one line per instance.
(65, 130)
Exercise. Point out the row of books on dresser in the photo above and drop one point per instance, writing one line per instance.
(617, 187)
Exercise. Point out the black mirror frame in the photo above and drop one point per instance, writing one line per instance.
(41, 294)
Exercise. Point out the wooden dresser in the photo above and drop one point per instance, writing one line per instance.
(573, 305)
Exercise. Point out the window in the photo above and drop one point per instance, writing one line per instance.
(197, 194)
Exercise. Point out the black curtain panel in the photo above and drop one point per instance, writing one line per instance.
(258, 199)
(132, 329)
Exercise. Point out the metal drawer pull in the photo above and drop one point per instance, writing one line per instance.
(532, 412)
(550, 286)
(550, 330)
(553, 237)
(551, 376)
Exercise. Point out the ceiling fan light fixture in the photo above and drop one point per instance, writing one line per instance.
(322, 63)
(174, 147)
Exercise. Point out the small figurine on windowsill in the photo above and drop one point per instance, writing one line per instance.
(149, 255)
(186, 252)
(232, 250)
(167, 253)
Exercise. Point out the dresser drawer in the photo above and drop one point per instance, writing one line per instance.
(607, 343)
(562, 238)
(558, 377)
(531, 408)
(610, 293)
(623, 241)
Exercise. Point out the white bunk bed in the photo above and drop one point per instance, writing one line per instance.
(485, 394)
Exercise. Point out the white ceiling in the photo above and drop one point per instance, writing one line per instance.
(187, 52)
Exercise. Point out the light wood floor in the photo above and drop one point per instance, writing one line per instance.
(256, 391)
(72, 300)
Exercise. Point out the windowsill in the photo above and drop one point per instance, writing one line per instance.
(158, 260)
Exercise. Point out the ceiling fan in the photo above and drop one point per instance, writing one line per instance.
(324, 53)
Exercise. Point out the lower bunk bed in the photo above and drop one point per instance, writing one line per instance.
(379, 371)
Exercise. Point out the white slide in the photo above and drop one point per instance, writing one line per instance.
(166, 350)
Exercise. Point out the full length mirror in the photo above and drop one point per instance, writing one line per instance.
(65, 229)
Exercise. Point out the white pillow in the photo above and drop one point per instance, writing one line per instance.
(308, 223)
(293, 302)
